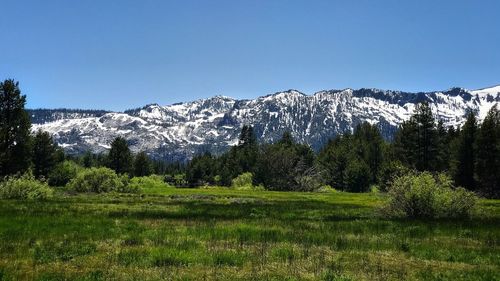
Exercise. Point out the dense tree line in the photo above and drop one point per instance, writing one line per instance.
(353, 161)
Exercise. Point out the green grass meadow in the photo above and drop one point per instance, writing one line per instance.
(220, 234)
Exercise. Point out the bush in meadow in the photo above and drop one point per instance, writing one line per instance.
(99, 180)
(152, 181)
(326, 189)
(24, 187)
(423, 195)
(245, 182)
(63, 173)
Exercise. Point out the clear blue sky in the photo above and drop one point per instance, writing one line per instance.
(119, 54)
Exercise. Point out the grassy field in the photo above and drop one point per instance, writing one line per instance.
(216, 234)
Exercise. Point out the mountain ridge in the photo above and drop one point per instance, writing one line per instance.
(180, 130)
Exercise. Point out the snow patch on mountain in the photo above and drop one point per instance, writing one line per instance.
(178, 131)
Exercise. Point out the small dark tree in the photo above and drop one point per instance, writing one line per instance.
(405, 143)
(120, 157)
(247, 150)
(45, 154)
(357, 176)
(427, 138)
(369, 146)
(443, 148)
(247, 137)
(488, 154)
(201, 170)
(142, 165)
(463, 154)
(15, 139)
(88, 160)
(334, 159)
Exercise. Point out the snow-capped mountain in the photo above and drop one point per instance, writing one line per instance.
(178, 131)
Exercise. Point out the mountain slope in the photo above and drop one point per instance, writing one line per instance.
(178, 131)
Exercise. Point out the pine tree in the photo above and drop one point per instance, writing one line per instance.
(247, 150)
(357, 176)
(443, 148)
(45, 154)
(405, 143)
(353, 162)
(369, 145)
(427, 138)
(15, 139)
(142, 165)
(463, 154)
(88, 160)
(487, 164)
(334, 158)
(416, 143)
(201, 170)
(120, 157)
(247, 137)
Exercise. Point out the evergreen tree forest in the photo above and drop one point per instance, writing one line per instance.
(354, 161)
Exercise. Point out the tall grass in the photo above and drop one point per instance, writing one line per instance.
(220, 234)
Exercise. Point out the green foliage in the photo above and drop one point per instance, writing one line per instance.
(239, 159)
(282, 165)
(369, 146)
(44, 154)
(487, 165)
(63, 173)
(99, 180)
(24, 187)
(90, 159)
(147, 182)
(245, 182)
(142, 165)
(201, 170)
(417, 141)
(423, 195)
(326, 189)
(15, 138)
(179, 180)
(462, 158)
(389, 171)
(120, 157)
(357, 176)
(227, 234)
(374, 189)
(334, 158)
(353, 162)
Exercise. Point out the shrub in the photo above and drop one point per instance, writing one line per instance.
(125, 187)
(63, 173)
(326, 189)
(245, 182)
(99, 180)
(153, 181)
(426, 196)
(24, 187)
(374, 189)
